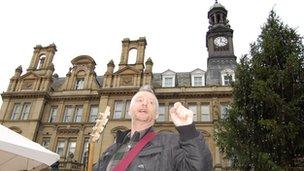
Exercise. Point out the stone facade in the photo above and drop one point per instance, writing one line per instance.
(59, 112)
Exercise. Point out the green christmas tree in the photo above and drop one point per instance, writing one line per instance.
(264, 127)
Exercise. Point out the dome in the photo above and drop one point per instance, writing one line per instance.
(217, 5)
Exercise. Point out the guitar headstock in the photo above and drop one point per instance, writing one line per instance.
(101, 122)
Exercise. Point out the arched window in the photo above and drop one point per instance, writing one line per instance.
(79, 82)
(218, 18)
(132, 56)
(41, 60)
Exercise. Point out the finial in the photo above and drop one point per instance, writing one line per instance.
(19, 69)
(149, 61)
(216, 1)
(111, 63)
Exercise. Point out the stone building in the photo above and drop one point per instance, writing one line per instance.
(59, 112)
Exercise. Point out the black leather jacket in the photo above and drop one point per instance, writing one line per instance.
(167, 151)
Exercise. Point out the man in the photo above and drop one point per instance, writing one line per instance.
(165, 151)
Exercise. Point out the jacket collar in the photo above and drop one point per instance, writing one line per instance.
(120, 135)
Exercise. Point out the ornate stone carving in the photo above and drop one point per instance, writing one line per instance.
(215, 109)
(126, 80)
(67, 130)
(27, 85)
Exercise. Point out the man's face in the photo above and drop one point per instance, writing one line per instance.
(143, 107)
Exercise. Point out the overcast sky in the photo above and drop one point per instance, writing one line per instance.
(175, 30)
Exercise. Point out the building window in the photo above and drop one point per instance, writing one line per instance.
(193, 108)
(25, 111)
(73, 114)
(161, 113)
(168, 78)
(16, 112)
(53, 114)
(68, 114)
(121, 109)
(78, 114)
(226, 80)
(198, 77)
(41, 61)
(79, 83)
(227, 76)
(71, 148)
(132, 56)
(224, 108)
(127, 116)
(85, 151)
(21, 111)
(205, 113)
(46, 143)
(168, 82)
(60, 147)
(197, 81)
(93, 113)
(118, 105)
(66, 151)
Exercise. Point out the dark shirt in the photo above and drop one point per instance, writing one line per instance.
(128, 143)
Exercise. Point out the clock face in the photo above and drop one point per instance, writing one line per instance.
(220, 41)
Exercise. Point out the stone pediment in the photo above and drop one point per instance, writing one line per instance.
(127, 71)
(29, 80)
(169, 72)
(197, 71)
(29, 76)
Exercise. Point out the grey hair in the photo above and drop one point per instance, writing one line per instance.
(146, 88)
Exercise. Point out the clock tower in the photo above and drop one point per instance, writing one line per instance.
(221, 59)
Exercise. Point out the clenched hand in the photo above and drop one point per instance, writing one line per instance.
(180, 115)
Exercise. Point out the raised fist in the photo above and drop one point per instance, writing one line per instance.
(180, 115)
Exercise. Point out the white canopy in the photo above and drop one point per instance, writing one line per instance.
(20, 153)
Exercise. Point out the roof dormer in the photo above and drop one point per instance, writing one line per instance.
(168, 78)
(81, 75)
(198, 77)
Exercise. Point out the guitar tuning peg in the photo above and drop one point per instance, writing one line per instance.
(100, 130)
(96, 137)
(98, 121)
(100, 115)
(94, 128)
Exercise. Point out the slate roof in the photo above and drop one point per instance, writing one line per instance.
(181, 79)
(57, 82)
